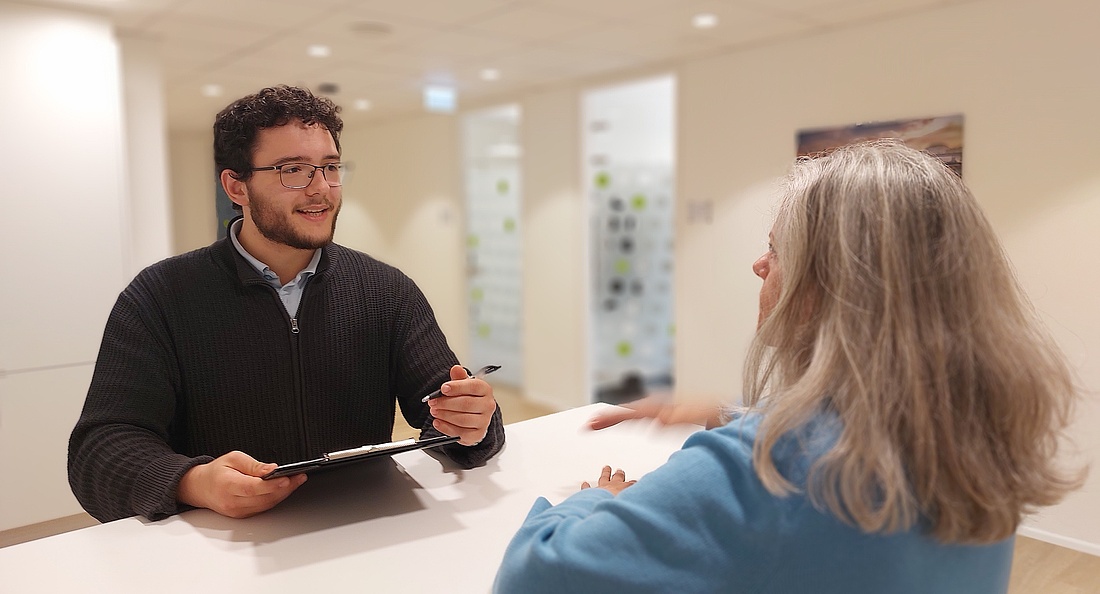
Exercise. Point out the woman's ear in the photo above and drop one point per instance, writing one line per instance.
(234, 188)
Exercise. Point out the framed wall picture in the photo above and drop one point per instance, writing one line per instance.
(940, 136)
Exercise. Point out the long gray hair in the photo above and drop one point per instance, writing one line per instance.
(899, 312)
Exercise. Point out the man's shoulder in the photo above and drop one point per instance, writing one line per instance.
(191, 261)
(186, 269)
(345, 260)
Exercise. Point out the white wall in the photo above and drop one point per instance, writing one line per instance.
(555, 252)
(193, 215)
(403, 205)
(150, 229)
(1024, 74)
(63, 253)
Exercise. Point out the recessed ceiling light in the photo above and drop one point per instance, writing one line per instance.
(490, 74)
(319, 51)
(362, 104)
(704, 20)
(212, 90)
(439, 98)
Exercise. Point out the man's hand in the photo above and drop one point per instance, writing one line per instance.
(465, 408)
(613, 482)
(660, 408)
(231, 485)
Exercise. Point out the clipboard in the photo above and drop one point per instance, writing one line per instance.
(356, 454)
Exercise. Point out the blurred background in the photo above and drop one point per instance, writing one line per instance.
(579, 186)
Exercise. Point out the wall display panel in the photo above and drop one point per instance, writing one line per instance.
(493, 241)
(629, 163)
(632, 280)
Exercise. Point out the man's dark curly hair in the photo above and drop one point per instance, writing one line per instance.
(236, 126)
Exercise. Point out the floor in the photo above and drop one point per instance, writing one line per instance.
(1038, 567)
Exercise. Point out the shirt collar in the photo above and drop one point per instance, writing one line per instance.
(265, 270)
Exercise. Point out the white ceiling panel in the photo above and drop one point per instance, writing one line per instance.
(855, 11)
(386, 50)
(276, 15)
(619, 10)
(437, 12)
(533, 24)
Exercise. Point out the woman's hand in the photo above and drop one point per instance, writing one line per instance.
(660, 408)
(614, 482)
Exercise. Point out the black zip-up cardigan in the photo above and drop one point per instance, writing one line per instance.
(199, 358)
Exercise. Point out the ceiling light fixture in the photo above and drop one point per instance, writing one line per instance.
(362, 104)
(490, 74)
(211, 90)
(439, 99)
(704, 20)
(319, 51)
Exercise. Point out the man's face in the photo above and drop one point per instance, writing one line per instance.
(304, 218)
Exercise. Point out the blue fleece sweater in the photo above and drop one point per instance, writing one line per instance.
(703, 522)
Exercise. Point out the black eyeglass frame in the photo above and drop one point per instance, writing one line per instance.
(344, 168)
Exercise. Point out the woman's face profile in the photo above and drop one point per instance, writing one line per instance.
(767, 268)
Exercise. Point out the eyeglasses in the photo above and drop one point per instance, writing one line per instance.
(295, 176)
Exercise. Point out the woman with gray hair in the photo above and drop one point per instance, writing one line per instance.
(903, 408)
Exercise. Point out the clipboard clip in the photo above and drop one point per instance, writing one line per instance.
(367, 449)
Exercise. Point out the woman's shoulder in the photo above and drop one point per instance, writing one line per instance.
(793, 453)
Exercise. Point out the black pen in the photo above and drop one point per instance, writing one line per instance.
(484, 371)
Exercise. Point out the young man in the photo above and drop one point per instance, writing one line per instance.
(270, 346)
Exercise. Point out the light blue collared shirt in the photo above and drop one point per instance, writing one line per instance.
(290, 293)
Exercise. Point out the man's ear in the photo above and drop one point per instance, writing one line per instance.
(234, 188)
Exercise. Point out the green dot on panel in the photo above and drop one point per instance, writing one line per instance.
(225, 222)
(502, 186)
(638, 202)
(483, 330)
(473, 241)
(624, 349)
(509, 225)
(672, 329)
(477, 294)
(622, 266)
(603, 180)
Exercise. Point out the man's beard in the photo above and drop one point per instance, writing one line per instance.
(277, 227)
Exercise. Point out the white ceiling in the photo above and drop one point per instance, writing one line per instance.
(386, 51)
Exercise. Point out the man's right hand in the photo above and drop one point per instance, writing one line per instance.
(231, 485)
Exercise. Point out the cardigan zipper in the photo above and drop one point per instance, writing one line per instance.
(299, 381)
(296, 364)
